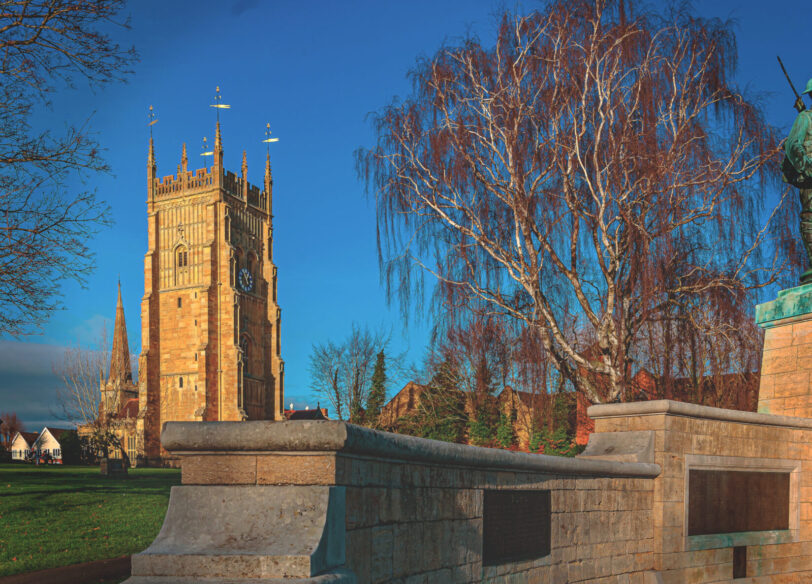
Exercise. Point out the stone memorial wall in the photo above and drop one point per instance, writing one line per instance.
(326, 501)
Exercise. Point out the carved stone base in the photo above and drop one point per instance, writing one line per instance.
(247, 533)
(786, 367)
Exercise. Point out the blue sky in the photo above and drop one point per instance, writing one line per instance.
(313, 70)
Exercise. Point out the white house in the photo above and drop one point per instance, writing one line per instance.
(22, 444)
(48, 442)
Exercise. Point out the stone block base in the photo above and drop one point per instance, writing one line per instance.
(260, 534)
(786, 369)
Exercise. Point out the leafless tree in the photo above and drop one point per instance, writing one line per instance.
(595, 165)
(81, 369)
(44, 46)
(79, 398)
(11, 424)
(342, 372)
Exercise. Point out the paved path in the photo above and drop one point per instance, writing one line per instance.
(90, 572)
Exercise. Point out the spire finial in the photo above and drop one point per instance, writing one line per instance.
(206, 151)
(218, 105)
(268, 140)
(184, 160)
(244, 165)
(151, 156)
(218, 144)
(152, 120)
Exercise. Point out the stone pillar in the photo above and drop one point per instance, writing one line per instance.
(786, 367)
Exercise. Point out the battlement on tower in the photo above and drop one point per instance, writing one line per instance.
(203, 179)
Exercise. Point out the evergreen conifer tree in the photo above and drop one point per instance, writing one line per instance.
(377, 394)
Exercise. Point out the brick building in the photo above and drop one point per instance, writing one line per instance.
(210, 321)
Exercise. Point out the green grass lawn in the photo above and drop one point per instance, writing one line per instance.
(58, 515)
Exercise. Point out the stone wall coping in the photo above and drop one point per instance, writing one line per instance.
(675, 408)
(313, 436)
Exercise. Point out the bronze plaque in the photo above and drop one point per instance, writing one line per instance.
(516, 526)
(727, 501)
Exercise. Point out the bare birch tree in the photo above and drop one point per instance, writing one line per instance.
(593, 166)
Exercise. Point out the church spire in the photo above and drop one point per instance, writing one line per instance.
(268, 177)
(120, 369)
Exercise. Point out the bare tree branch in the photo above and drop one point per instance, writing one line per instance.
(44, 228)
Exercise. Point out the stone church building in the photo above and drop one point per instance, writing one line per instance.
(210, 321)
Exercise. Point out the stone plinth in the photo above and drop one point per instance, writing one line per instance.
(786, 368)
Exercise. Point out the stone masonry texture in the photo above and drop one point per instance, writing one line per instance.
(413, 509)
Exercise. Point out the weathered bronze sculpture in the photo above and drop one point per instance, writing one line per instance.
(797, 169)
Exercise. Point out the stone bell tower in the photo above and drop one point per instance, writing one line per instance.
(210, 322)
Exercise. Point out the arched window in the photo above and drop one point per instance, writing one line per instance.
(181, 257)
(181, 260)
(180, 382)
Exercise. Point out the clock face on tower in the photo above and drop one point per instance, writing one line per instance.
(245, 280)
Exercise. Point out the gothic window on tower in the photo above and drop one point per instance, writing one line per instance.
(180, 382)
(181, 264)
(182, 257)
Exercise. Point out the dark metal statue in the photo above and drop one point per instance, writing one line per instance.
(797, 167)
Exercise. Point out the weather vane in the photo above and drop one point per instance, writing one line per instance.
(268, 138)
(206, 151)
(218, 103)
(152, 120)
